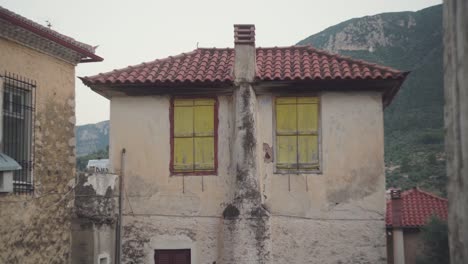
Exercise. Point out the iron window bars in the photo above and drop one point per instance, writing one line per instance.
(19, 101)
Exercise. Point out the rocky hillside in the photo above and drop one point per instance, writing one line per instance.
(414, 122)
(92, 138)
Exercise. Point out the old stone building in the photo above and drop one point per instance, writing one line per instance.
(250, 155)
(37, 68)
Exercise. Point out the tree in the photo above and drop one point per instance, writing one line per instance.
(436, 247)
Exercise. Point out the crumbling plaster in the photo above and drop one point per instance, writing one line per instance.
(339, 210)
(95, 211)
(36, 228)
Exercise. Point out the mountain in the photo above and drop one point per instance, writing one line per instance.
(414, 135)
(91, 138)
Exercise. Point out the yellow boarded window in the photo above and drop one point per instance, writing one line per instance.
(297, 121)
(194, 135)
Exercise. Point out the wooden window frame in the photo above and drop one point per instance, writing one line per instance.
(319, 132)
(215, 138)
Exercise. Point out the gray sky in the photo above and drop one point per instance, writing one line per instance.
(134, 31)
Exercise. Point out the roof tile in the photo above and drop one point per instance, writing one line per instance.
(209, 65)
(417, 208)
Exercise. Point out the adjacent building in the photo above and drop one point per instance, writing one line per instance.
(250, 155)
(37, 73)
(407, 213)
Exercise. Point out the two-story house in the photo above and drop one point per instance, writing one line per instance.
(37, 131)
(250, 155)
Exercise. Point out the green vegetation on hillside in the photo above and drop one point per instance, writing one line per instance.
(414, 136)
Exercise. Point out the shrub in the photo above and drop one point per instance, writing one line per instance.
(436, 247)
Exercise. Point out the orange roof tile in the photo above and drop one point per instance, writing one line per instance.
(212, 65)
(417, 208)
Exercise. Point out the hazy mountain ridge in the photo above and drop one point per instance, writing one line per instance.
(414, 149)
(91, 138)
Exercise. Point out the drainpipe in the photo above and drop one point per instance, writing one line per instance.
(398, 238)
(118, 231)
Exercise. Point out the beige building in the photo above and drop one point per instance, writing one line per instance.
(37, 73)
(250, 155)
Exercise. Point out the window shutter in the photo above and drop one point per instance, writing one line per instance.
(308, 152)
(297, 124)
(182, 257)
(286, 138)
(307, 115)
(204, 134)
(162, 258)
(174, 256)
(183, 135)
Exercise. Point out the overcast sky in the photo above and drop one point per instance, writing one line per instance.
(134, 31)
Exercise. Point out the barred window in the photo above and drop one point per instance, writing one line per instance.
(18, 128)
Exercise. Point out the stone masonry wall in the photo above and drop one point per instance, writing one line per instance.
(36, 228)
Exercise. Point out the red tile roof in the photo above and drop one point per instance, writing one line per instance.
(308, 63)
(417, 208)
(84, 49)
(200, 65)
(212, 65)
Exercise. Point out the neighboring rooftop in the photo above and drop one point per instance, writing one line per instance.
(28, 32)
(417, 208)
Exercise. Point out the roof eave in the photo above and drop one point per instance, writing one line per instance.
(108, 90)
(87, 55)
(391, 93)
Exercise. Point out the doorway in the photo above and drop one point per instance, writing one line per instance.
(172, 256)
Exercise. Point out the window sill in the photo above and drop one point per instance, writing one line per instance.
(197, 173)
(282, 172)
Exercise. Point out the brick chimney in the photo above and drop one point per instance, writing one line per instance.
(397, 206)
(244, 64)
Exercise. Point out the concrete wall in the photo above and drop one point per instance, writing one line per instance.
(93, 228)
(456, 124)
(413, 246)
(36, 229)
(336, 216)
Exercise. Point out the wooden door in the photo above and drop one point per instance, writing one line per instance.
(172, 256)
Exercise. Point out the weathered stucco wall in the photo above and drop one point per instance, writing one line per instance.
(336, 216)
(93, 228)
(160, 209)
(36, 228)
